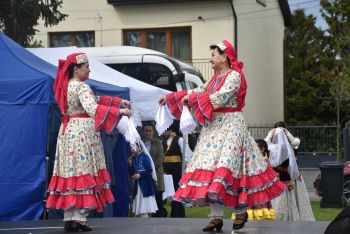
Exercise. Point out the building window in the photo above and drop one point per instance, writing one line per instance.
(79, 39)
(174, 42)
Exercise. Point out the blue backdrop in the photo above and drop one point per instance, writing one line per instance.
(29, 122)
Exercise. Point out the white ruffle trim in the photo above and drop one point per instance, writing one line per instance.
(127, 128)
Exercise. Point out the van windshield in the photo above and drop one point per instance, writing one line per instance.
(185, 67)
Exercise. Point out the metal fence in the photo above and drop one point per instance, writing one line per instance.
(313, 138)
(204, 67)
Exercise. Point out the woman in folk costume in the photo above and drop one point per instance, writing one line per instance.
(294, 203)
(80, 181)
(227, 168)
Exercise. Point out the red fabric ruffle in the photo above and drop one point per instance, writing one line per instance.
(88, 201)
(248, 191)
(87, 181)
(107, 113)
(174, 103)
(203, 109)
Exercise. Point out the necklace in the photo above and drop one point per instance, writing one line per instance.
(221, 73)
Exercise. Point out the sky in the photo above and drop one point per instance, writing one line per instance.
(311, 7)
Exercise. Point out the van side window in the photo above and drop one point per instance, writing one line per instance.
(133, 70)
(187, 85)
(158, 75)
(150, 73)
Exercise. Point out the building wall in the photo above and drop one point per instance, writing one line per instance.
(260, 39)
(260, 47)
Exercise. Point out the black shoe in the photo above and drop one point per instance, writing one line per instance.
(214, 224)
(68, 226)
(241, 224)
(78, 227)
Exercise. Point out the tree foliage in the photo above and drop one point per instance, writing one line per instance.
(337, 15)
(19, 17)
(306, 82)
(318, 65)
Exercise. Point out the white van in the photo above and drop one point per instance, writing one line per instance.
(149, 66)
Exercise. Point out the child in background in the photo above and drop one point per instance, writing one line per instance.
(144, 188)
(267, 212)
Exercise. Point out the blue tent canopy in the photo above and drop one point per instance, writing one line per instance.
(26, 97)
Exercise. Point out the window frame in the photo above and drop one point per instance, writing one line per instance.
(71, 33)
(168, 30)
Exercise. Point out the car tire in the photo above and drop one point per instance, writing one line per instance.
(346, 190)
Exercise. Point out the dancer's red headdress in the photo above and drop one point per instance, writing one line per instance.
(61, 83)
(236, 65)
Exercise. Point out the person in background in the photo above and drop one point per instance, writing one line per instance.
(294, 141)
(80, 180)
(155, 148)
(267, 212)
(294, 203)
(144, 190)
(172, 162)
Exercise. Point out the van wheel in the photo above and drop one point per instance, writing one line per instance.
(346, 190)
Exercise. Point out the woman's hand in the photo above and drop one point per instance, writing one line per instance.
(162, 101)
(125, 112)
(130, 161)
(290, 185)
(184, 100)
(136, 176)
(126, 103)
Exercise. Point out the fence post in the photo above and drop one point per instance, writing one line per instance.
(346, 146)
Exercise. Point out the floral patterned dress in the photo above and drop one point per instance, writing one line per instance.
(227, 166)
(80, 178)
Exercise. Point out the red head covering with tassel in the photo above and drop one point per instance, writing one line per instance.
(61, 83)
(236, 65)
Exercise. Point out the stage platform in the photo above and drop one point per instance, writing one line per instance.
(162, 225)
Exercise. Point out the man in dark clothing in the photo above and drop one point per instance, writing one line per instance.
(173, 159)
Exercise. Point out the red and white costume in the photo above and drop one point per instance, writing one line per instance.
(80, 179)
(227, 167)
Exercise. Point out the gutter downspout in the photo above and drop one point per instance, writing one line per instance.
(235, 26)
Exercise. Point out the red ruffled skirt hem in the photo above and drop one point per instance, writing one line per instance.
(82, 192)
(87, 181)
(202, 187)
(85, 201)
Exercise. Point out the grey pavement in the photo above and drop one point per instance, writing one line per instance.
(163, 225)
(309, 175)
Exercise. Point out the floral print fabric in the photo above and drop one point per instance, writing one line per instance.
(80, 167)
(227, 166)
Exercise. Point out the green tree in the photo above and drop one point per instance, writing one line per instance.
(306, 73)
(19, 17)
(337, 15)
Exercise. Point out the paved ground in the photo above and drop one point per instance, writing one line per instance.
(163, 225)
(309, 175)
(175, 226)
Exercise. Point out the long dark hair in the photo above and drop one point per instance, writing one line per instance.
(262, 143)
(280, 124)
(71, 69)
